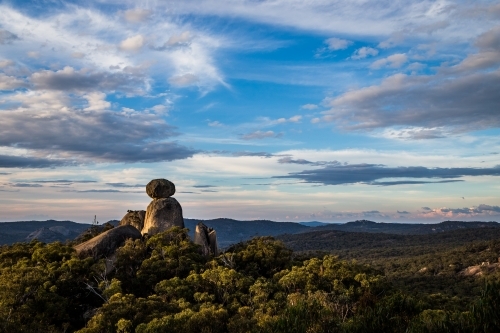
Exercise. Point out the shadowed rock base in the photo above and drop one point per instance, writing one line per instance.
(106, 243)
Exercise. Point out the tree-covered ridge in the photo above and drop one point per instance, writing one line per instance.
(164, 284)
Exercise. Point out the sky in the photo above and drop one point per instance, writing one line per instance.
(320, 110)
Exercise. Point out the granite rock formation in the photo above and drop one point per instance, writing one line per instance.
(160, 188)
(106, 243)
(162, 214)
(134, 218)
(207, 238)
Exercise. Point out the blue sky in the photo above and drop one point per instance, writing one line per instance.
(283, 110)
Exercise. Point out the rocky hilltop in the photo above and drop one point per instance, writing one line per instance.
(163, 213)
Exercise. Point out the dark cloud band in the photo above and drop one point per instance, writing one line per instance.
(373, 174)
(78, 137)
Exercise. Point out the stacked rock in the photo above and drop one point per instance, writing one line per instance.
(164, 211)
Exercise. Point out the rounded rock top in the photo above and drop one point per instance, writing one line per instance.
(160, 188)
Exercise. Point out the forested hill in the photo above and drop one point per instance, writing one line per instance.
(365, 245)
(449, 266)
(47, 231)
(405, 228)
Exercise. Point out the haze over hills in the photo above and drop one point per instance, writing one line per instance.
(230, 231)
(405, 228)
(47, 231)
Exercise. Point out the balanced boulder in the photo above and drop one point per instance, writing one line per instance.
(134, 218)
(160, 188)
(161, 215)
(207, 238)
(105, 244)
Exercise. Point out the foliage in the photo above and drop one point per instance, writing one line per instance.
(164, 284)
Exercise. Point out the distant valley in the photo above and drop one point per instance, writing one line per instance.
(230, 231)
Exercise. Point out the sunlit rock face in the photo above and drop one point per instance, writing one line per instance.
(162, 214)
(134, 218)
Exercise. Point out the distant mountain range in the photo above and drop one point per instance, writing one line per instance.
(231, 231)
(405, 228)
(46, 231)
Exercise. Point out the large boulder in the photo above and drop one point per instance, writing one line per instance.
(105, 244)
(161, 215)
(207, 238)
(134, 218)
(160, 188)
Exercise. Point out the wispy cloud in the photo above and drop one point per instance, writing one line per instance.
(394, 61)
(259, 135)
(364, 52)
(123, 185)
(481, 210)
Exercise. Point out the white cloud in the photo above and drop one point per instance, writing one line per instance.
(415, 133)
(268, 122)
(183, 80)
(10, 82)
(364, 52)
(395, 39)
(6, 63)
(133, 43)
(215, 124)
(335, 44)
(78, 55)
(394, 61)
(479, 61)
(136, 15)
(160, 109)
(335, 17)
(33, 54)
(416, 66)
(96, 101)
(182, 39)
(309, 106)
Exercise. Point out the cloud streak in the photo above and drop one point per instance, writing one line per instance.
(374, 174)
(259, 135)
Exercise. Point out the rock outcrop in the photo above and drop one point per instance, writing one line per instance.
(134, 218)
(207, 238)
(160, 188)
(162, 214)
(106, 243)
